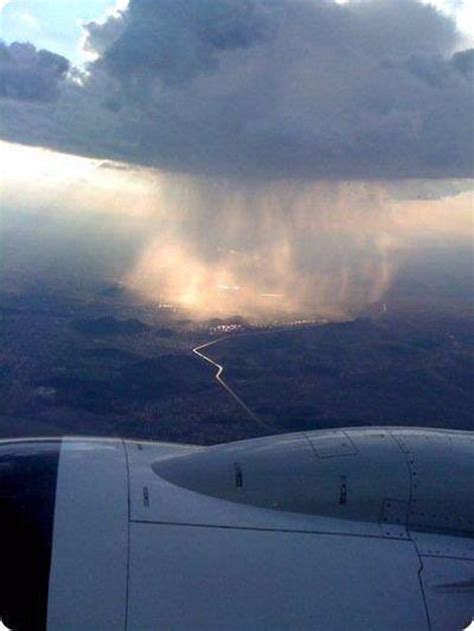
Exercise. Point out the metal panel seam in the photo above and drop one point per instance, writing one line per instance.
(261, 529)
(420, 580)
(127, 465)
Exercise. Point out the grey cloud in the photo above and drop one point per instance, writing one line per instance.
(101, 36)
(463, 62)
(173, 40)
(428, 189)
(273, 89)
(29, 74)
(116, 166)
(436, 70)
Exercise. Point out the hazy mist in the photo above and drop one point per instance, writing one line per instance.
(216, 246)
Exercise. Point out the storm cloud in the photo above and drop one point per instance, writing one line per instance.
(174, 41)
(280, 89)
(29, 74)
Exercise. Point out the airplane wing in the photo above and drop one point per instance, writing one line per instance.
(303, 531)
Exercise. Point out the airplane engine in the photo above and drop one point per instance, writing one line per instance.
(333, 529)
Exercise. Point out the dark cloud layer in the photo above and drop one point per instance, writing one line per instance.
(29, 74)
(269, 88)
(174, 41)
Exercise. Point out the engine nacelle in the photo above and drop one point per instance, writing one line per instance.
(416, 478)
(359, 528)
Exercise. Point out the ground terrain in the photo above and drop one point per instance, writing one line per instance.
(96, 363)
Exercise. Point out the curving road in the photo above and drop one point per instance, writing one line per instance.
(218, 377)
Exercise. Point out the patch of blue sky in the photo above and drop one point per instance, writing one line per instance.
(52, 24)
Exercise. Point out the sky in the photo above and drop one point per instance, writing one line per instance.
(57, 24)
(254, 88)
(53, 24)
(287, 149)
